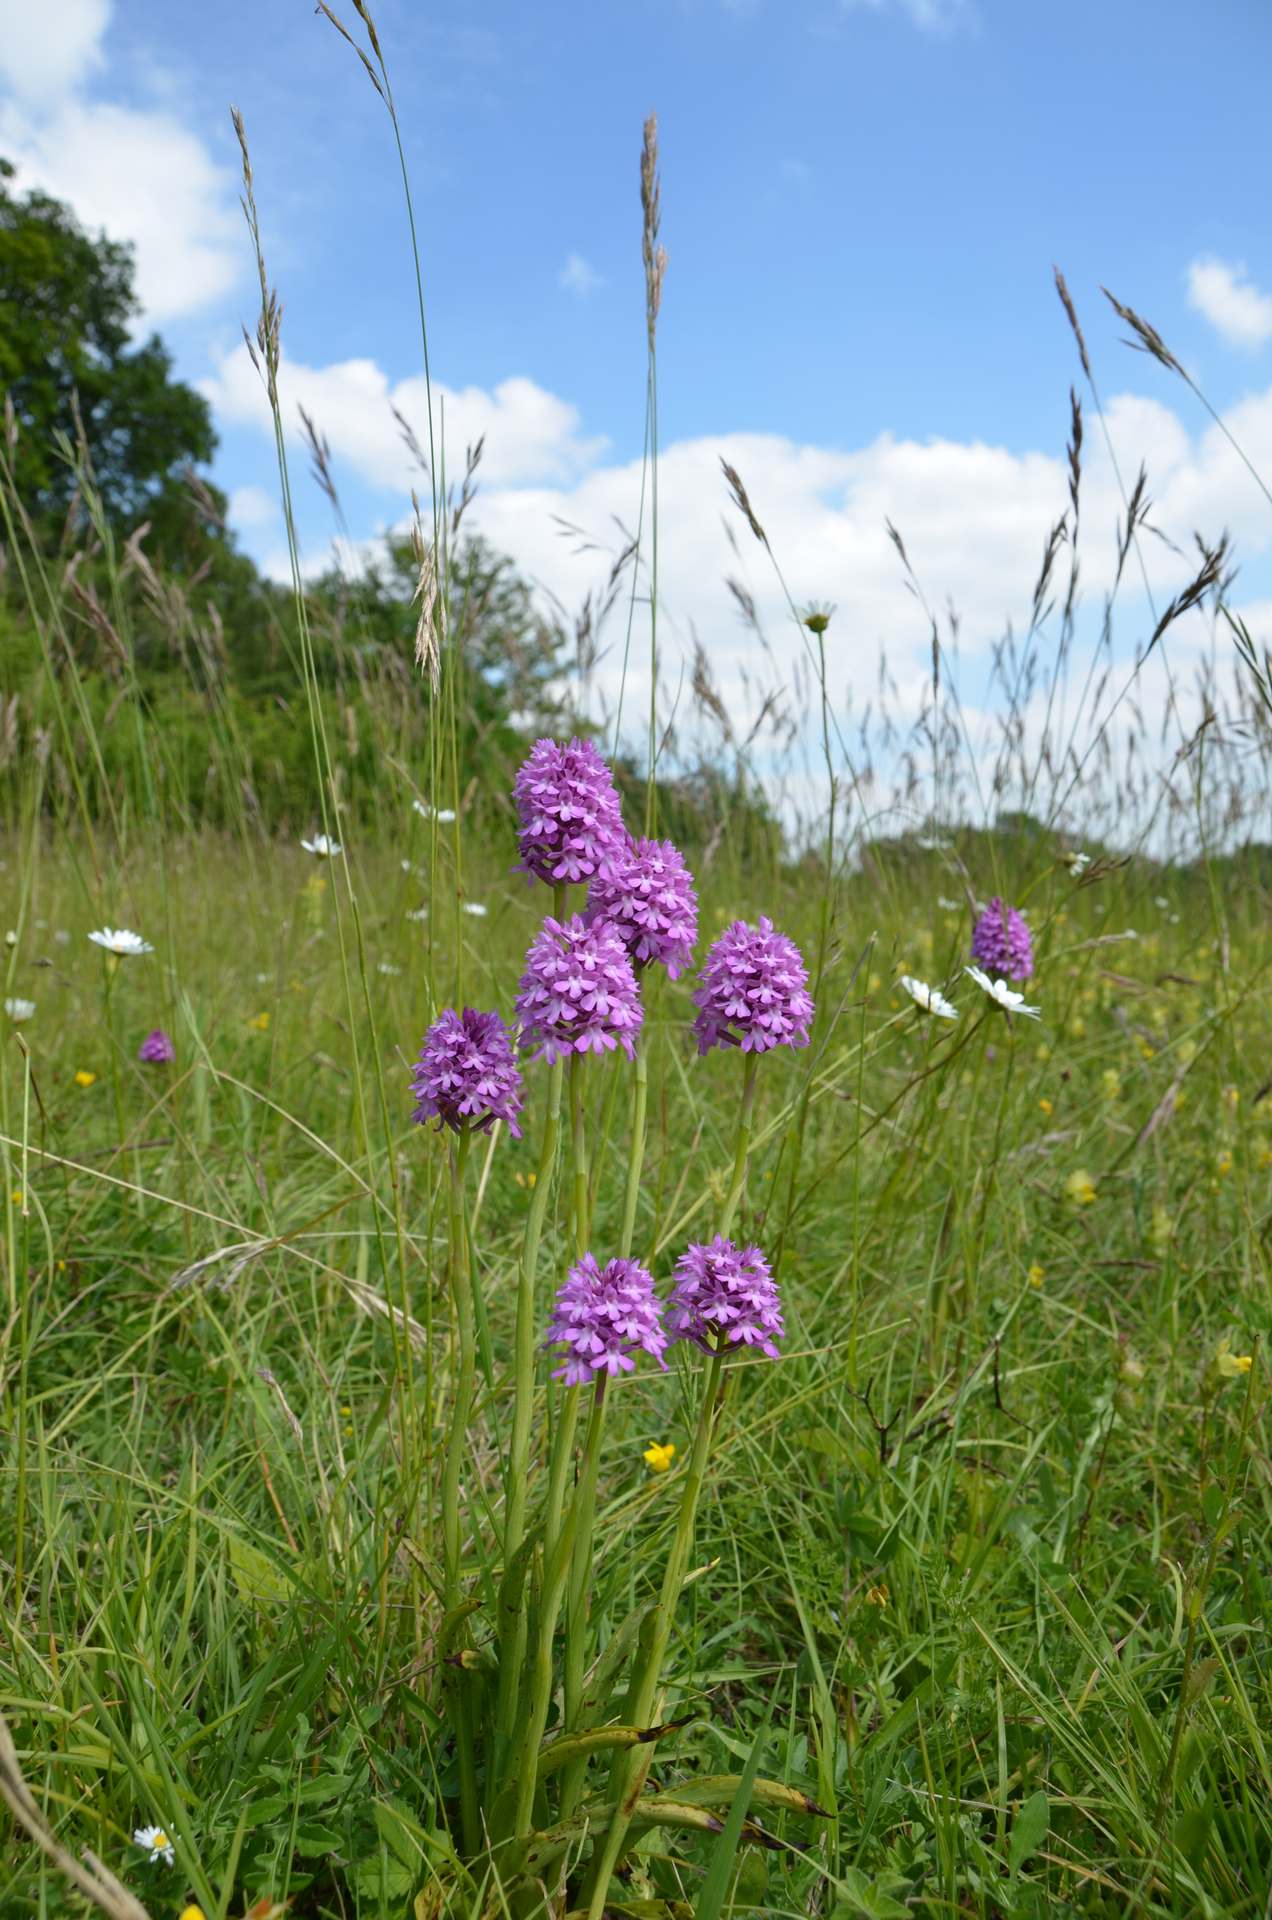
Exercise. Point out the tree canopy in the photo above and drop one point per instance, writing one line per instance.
(74, 370)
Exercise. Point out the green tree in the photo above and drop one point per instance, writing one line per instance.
(71, 367)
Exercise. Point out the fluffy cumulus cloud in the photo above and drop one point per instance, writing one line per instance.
(579, 276)
(134, 171)
(1228, 298)
(529, 433)
(50, 50)
(973, 518)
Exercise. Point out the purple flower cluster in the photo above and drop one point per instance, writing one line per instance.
(571, 824)
(650, 902)
(467, 1074)
(603, 1318)
(1001, 942)
(725, 1295)
(578, 992)
(157, 1048)
(753, 992)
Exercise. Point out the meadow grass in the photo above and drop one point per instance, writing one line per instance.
(995, 1528)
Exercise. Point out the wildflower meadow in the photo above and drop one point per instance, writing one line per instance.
(588, 1335)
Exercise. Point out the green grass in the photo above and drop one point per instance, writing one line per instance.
(971, 1542)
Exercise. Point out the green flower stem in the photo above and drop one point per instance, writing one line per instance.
(636, 1159)
(628, 1774)
(746, 1121)
(558, 1540)
(457, 1445)
(580, 1587)
(510, 1657)
(578, 1114)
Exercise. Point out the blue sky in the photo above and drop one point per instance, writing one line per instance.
(862, 202)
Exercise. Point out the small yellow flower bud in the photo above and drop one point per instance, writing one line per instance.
(658, 1458)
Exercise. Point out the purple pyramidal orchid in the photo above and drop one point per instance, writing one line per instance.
(157, 1048)
(578, 992)
(467, 1074)
(570, 821)
(603, 1317)
(1002, 943)
(753, 991)
(650, 901)
(725, 1295)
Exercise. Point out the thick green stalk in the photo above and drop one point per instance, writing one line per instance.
(511, 1656)
(580, 1586)
(457, 1447)
(636, 1157)
(558, 1539)
(629, 1772)
(578, 1135)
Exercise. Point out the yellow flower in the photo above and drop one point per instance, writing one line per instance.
(1080, 1188)
(1112, 1083)
(260, 1021)
(525, 1179)
(1036, 1275)
(658, 1458)
(1230, 1365)
(84, 1078)
(877, 1596)
(1045, 1106)
(192, 1913)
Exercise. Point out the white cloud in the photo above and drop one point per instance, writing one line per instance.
(252, 507)
(135, 172)
(47, 51)
(530, 434)
(577, 276)
(1231, 302)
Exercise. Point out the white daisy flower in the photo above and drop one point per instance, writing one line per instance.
(443, 815)
(320, 844)
(928, 998)
(120, 941)
(156, 1842)
(1002, 995)
(19, 1010)
(1077, 863)
(475, 908)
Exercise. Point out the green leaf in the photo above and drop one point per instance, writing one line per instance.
(255, 1574)
(1213, 1503)
(860, 1896)
(1028, 1830)
(710, 1902)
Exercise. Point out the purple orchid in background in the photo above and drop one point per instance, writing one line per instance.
(467, 1074)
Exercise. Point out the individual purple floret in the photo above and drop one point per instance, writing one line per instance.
(571, 824)
(725, 1296)
(753, 992)
(467, 1073)
(157, 1048)
(604, 1317)
(651, 904)
(1002, 943)
(578, 992)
